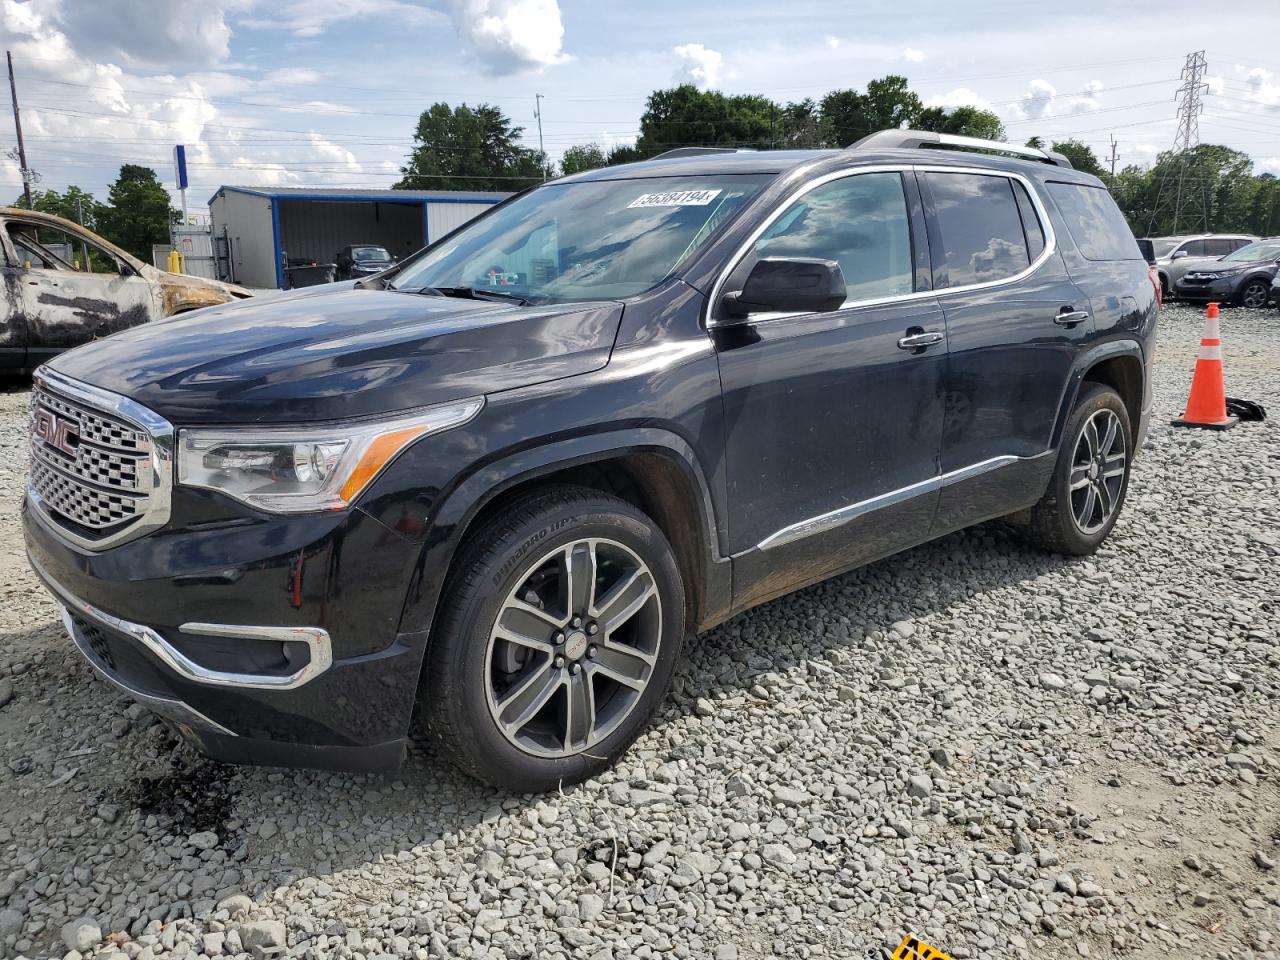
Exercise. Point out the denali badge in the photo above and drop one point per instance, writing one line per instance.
(57, 432)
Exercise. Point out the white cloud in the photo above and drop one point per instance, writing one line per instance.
(1037, 100)
(512, 35)
(832, 41)
(911, 55)
(699, 65)
(146, 32)
(311, 18)
(293, 76)
(1268, 165)
(959, 97)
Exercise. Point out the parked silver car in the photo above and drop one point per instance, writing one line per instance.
(1174, 256)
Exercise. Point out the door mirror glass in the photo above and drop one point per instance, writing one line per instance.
(789, 285)
(1178, 254)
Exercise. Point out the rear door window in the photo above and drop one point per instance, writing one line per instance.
(1095, 222)
(982, 234)
(1218, 248)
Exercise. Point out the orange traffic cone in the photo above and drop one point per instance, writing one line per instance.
(1207, 404)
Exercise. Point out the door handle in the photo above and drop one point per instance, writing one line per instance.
(1067, 317)
(918, 339)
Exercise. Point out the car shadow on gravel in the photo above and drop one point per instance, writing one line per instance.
(287, 824)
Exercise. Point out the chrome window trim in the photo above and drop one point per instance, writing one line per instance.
(159, 490)
(316, 639)
(1050, 240)
(842, 515)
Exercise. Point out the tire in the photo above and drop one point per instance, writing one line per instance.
(511, 578)
(1054, 522)
(1165, 290)
(1255, 294)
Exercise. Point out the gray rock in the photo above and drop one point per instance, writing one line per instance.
(11, 922)
(1263, 861)
(237, 905)
(1051, 681)
(82, 934)
(789, 796)
(590, 906)
(6, 691)
(205, 840)
(262, 934)
(919, 786)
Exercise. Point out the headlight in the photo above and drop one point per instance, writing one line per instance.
(303, 469)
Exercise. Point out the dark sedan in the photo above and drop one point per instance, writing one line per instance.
(363, 260)
(1243, 277)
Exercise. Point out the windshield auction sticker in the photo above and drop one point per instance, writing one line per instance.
(675, 198)
(913, 948)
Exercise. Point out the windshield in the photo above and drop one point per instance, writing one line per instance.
(1164, 247)
(369, 253)
(590, 240)
(1267, 250)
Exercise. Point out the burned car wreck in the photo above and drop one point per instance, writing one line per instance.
(64, 286)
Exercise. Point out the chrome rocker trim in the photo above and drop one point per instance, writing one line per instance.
(316, 638)
(842, 515)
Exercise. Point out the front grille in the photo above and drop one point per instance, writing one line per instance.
(93, 472)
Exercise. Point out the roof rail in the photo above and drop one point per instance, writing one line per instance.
(697, 152)
(914, 139)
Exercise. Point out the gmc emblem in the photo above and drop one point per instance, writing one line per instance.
(57, 432)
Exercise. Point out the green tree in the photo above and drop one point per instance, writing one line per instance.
(580, 157)
(887, 104)
(1081, 156)
(1037, 142)
(800, 125)
(138, 212)
(64, 205)
(623, 153)
(465, 148)
(963, 121)
(685, 116)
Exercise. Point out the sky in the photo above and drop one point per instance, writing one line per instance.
(327, 92)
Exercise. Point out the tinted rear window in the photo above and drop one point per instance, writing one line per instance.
(1096, 223)
(982, 235)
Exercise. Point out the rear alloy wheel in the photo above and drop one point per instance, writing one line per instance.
(1255, 294)
(557, 639)
(1090, 477)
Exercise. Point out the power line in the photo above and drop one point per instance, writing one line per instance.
(1190, 105)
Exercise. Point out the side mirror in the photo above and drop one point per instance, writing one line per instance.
(788, 285)
(1178, 254)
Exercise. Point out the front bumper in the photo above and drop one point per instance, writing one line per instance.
(1220, 291)
(327, 684)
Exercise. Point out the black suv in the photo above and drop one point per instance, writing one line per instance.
(501, 484)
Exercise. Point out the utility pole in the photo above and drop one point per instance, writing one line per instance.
(17, 122)
(1113, 158)
(1187, 139)
(537, 112)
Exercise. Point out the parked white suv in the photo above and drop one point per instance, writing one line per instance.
(1174, 256)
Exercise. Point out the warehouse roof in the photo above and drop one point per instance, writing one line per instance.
(340, 193)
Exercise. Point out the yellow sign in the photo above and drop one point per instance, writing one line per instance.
(912, 948)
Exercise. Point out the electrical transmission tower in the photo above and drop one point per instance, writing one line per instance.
(1190, 106)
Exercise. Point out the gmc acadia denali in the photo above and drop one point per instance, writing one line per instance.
(498, 484)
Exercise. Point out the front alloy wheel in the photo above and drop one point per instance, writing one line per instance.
(573, 648)
(1255, 295)
(560, 627)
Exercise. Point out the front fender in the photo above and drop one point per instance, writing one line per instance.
(453, 512)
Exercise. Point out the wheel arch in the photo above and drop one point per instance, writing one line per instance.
(1118, 364)
(652, 469)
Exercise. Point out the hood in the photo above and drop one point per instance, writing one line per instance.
(1196, 263)
(347, 353)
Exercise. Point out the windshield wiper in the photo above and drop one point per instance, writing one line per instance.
(471, 293)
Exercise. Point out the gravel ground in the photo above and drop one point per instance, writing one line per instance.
(1005, 753)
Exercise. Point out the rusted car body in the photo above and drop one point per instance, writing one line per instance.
(65, 285)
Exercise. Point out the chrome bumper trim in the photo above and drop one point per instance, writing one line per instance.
(316, 639)
(175, 710)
